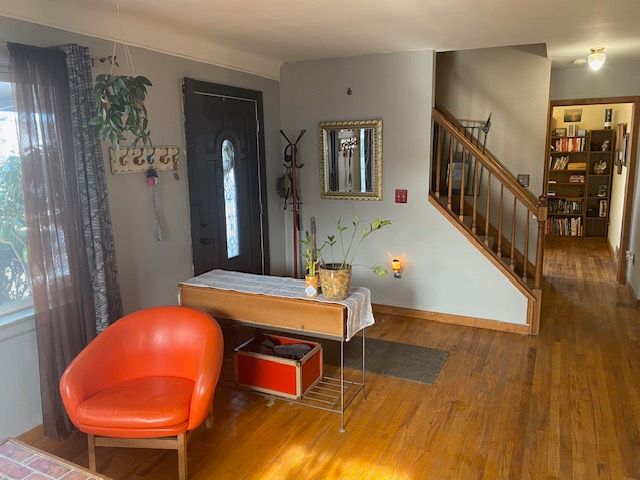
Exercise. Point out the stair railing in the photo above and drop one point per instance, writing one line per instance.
(471, 182)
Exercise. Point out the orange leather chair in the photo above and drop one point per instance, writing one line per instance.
(146, 381)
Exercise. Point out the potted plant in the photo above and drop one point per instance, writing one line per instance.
(335, 277)
(310, 258)
(119, 108)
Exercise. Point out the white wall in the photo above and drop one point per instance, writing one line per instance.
(443, 271)
(149, 270)
(513, 84)
(19, 376)
(612, 81)
(593, 119)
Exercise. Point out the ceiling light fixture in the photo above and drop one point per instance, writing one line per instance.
(596, 58)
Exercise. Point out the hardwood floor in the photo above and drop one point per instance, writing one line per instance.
(565, 404)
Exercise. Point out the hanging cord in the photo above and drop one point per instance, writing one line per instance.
(125, 46)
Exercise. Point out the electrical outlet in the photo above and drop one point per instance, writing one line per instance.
(401, 195)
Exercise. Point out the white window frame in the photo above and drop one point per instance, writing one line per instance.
(20, 312)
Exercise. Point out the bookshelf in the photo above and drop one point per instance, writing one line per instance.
(579, 174)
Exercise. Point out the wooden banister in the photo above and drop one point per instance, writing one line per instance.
(489, 162)
(505, 241)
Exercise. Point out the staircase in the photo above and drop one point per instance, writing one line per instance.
(485, 202)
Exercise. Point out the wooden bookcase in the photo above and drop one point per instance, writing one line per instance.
(579, 185)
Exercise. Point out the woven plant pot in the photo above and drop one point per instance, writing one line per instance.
(335, 281)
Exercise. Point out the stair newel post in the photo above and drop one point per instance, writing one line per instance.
(487, 210)
(439, 157)
(475, 195)
(500, 215)
(542, 221)
(462, 180)
(450, 174)
(525, 262)
(512, 264)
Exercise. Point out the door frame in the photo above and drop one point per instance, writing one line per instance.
(627, 210)
(191, 86)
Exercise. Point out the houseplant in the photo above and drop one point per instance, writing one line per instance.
(310, 258)
(119, 108)
(335, 277)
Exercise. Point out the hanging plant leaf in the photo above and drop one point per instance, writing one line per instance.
(119, 108)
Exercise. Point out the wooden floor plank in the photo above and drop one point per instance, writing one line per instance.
(564, 404)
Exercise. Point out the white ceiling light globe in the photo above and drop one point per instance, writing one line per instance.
(596, 58)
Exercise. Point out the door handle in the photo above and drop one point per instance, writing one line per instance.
(205, 241)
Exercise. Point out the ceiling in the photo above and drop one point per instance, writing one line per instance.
(258, 35)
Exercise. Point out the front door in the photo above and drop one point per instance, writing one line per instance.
(226, 177)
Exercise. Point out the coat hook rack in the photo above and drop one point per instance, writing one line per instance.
(292, 165)
(141, 159)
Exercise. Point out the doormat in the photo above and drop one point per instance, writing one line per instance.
(19, 460)
(409, 362)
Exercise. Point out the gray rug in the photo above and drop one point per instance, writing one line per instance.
(409, 362)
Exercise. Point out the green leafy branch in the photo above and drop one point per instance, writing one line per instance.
(119, 108)
(355, 241)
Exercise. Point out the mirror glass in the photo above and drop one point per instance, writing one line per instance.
(351, 159)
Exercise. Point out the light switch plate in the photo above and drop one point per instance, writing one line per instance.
(523, 179)
(401, 195)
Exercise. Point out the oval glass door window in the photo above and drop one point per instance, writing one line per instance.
(230, 198)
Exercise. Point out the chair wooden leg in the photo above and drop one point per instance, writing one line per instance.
(91, 444)
(209, 420)
(182, 456)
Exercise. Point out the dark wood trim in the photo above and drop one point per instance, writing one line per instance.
(627, 210)
(191, 86)
(621, 264)
(463, 320)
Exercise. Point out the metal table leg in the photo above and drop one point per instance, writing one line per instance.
(342, 386)
(364, 391)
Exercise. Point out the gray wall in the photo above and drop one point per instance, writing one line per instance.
(149, 270)
(612, 81)
(513, 84)
(443, 271)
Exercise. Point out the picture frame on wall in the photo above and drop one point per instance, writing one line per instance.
(573, 115)
(582, 132)
(571, 130)
(559, 132)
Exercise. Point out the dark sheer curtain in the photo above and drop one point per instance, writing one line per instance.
(368, 150)
(62, 296)
(334, 156)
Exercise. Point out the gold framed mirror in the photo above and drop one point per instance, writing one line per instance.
(351, 160)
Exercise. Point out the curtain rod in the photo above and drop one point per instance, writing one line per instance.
(110, 59)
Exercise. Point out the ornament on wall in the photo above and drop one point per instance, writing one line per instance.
(140, 159)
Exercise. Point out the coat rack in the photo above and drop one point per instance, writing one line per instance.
(292, 166)
(139, 160)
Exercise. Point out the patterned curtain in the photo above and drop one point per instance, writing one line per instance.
(92, 190)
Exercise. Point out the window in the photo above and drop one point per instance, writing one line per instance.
(15, 286)
(230, 198)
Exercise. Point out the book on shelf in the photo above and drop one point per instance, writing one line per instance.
(561, 206)
(569, 144)
(565, 227)
(576, 179)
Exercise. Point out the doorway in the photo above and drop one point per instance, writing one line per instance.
(590, 170)
(226, 169)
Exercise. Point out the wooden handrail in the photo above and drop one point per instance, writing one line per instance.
(488, 161)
